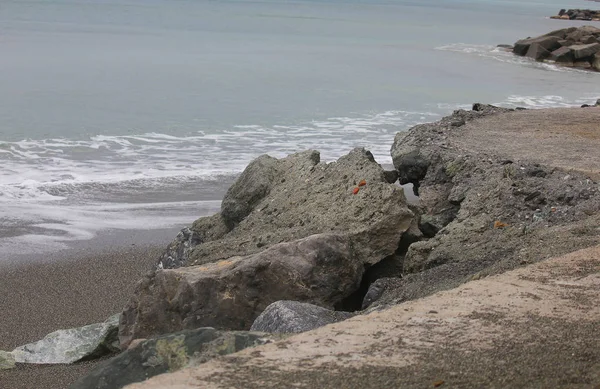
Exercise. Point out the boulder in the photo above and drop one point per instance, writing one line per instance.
(579, 33)
(596, 62)
(293, 317)
(585, 51)
(167, 353)
(563, 55)
(7, 360)
(322, 269)
(537, 52)
(281, 200)
(589, 39)
(549, 43)
(72, 345)
(562, 33)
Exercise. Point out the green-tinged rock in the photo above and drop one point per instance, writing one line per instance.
(7, 360)
(72, 345)
(168, 353)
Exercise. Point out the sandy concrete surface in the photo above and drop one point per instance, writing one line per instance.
(536, 326)
(567, 138)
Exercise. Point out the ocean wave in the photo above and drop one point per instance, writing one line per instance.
(55, 169)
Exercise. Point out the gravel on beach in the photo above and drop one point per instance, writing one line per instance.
(63, 290)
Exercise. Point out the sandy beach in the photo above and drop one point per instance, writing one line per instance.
(46, 292)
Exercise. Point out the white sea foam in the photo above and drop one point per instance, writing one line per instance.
(502, 55)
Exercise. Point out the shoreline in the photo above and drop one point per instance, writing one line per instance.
(84, 284)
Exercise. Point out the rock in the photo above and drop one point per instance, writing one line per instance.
(562, 12)
(167, 353)
(252, 186)
(584, 51)
(565, 17)
(7, 360)
(292, 198)
(72, 345)
(322, 269)
(549, 43)
(203, 230)
(583, 64)
(537, 52)
(589, 39)
(562, 33)
(596, 62)
(292, 317)
(391, 176)
(563, 55)
(581, 32)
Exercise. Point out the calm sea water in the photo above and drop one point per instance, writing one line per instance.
(138, 114)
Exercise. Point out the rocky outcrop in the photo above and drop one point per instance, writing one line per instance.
(72, 345)
(574, 47)
(168, 353)
(281, 200)
(292, 317)
(489, 206)
(577, 14)
(322, 269)
(289, 229)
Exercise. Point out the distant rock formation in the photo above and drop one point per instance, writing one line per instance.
(578, 14)
(572, 47)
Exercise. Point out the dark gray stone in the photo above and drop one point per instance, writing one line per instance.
(293, 316)
(585, 51)
(537, 52)
(563, 55)
(549, 43)
(167, 353)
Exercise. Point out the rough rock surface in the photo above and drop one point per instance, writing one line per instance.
(571, 46)
(534, 327)
(322, 269)
(529, 194)
(72, 345)
(7, 360)
(577, 14)
(292, 316)
(280, 200)
(168, 353)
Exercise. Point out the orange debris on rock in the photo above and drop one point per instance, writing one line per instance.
(362, 183)
(438, 383)
(499, 224)
(355, 190)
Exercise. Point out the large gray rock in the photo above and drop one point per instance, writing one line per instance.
(7, 360)
(563, 55)
(585, 51)
(292, 316)
(549, 43)
(322, 269)
(72, 345)
(167, 353)
(537, 52)
(281, 200)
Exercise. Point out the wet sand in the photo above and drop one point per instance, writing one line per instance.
(45, 292)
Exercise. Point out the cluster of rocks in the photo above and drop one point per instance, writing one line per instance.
(573, 47)
(299, 244)
(578, 14)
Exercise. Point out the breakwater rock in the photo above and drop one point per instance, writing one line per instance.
(578, 14)
(572, 47)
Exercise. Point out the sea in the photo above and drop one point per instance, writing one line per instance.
(121, 115)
